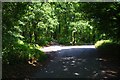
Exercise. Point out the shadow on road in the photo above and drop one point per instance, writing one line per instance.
(77, 62)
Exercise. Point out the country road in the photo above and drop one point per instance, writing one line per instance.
(75, 62)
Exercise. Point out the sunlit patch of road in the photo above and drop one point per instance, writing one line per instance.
(58, 47)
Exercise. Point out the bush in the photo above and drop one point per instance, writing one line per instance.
(63, 41)
(102, 44)
(44, 41)
(39, 55)
(107, 46)
(20, 52)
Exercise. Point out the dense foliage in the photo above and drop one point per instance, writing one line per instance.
(105, 18)
(15, 48)
(27, 26)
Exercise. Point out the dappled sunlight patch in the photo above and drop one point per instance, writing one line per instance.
(105, 77)
(95, 75)
(67, 62)
(68, 58)
(103, 72)
(64, 66)
(72, 64)
(79, 59)
(76, 74)
(86, 68)
(51, 60)
(101, 59)
(46, 71)
(49, 71)
(109, 73)
(65, 69)
(73, 61)
(63, 62)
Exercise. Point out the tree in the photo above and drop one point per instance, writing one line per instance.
(104, 17)
(15, 48)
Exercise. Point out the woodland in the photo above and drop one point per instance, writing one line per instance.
(28, 26)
